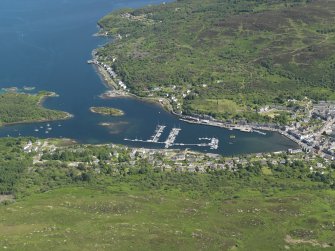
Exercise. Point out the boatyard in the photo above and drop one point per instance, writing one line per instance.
(213, 143)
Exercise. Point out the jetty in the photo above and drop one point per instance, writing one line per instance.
(172, 137)
(191, 120)
(212, 143)
(158, 132)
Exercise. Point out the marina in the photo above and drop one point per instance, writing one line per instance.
(158, 132)
(170, 141)
(172, 137)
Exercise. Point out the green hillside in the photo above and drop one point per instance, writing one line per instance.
(59, 197)
(250, 52)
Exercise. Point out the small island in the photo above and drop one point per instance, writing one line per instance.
(107, 111)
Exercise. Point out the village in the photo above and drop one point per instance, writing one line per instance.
(312, 130)
(114, 156)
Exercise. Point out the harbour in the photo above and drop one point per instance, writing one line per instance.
(61, 67)
(170, 141)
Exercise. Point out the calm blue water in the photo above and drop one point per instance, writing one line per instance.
(46, 43)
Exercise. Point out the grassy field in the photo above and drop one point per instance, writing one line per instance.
(250, 52)
(126, 217)
(216, 106)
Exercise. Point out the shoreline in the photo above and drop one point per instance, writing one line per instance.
(43, 97)
(114, 90)
(247, 129)
(116, 93)
(67, 116)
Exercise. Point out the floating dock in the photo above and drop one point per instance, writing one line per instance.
(172, 137)
(158, 132)
(212, 143)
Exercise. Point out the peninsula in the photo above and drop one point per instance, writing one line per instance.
(25, 108)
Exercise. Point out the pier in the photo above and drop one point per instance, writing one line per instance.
(172, 137)
(212, 143)
(158, 132)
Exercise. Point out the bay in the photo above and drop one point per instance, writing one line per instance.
(46, 44)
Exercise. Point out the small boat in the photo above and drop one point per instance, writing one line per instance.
(232, 136)
(46, 131)
(36, 130)
(260, 132)
(49, 128)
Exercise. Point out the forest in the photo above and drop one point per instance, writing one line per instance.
(22, 108)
